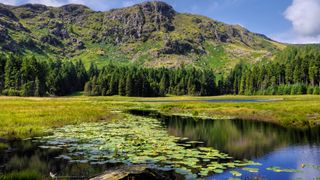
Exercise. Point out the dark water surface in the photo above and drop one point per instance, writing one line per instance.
(265, 143)
(268, 144)
(26, 156)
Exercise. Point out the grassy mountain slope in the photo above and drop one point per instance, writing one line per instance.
(151, 34)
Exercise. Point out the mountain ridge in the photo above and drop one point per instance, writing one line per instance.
(150, 34)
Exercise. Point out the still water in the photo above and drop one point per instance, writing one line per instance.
(265, 143)
(28, 159)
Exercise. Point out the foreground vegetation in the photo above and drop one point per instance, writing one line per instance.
(139, 140)
(29, 117)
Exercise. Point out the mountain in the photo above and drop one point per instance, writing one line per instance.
(152, 34)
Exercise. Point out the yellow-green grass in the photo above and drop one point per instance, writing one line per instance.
(29, 117)
(288, 111)
(3, 146)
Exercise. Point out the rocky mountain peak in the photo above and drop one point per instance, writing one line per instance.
(157, 7)
(139, 21)
(74, 7)
(149, 31)
(5, 12)
(39, 8)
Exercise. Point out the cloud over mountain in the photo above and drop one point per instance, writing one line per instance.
(305, 17)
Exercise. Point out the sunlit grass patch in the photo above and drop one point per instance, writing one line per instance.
(30, 117)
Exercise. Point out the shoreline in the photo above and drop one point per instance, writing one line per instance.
(30, 117)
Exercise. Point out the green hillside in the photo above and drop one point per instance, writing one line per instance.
(152, 34)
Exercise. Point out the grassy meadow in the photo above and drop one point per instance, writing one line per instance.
(30, 117)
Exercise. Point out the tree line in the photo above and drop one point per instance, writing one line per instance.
(27, 76)
(295, 70)
(147, 82)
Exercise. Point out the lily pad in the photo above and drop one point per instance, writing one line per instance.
(252, 170)
(137, 140)
(218, 171)
(236, 173)
(231, 178)
(278, 169)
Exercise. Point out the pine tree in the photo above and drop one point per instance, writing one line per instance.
(82, 76)
(122, 87)
(2, 73)
(191, 86)
(163, 85)
(88, 88)
(93, 70)
(13, 76)
(129, 85)
(113, 86)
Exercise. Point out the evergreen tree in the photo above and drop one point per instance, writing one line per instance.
(129, 85)
(82, 76)
(164, 84)
(122, 87)
(93, 70)
(2, 73)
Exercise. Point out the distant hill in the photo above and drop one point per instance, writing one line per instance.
(152, 34)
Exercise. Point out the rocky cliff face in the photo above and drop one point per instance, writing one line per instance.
(147, 31)
(138, 22)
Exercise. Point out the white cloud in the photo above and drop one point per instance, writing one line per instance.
(293, 37)
(54, 3)
(305, 17)
(76, 2)
(9, 2)
(101, 5)
(128, 3)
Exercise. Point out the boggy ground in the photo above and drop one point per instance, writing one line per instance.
(30, 117)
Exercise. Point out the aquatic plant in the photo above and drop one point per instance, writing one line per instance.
(138, 140)
(278, 169)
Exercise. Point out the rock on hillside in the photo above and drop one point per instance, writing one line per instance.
(150, 33)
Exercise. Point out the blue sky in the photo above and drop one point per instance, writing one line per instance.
(293, 21)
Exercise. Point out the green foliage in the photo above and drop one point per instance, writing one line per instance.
(2, 72)
(278, 169)
(3, 146)
(296, 71)
(120, 41)
(138, 140)
(150, 82)
(23, 175)
(27, 76)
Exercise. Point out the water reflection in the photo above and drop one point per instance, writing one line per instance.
(265, 143)
(269, 144)
(26, 159)
(241, 139)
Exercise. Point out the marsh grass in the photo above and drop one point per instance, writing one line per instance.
(288, 111)
(3, 146)
(23, 175)
(30, 117)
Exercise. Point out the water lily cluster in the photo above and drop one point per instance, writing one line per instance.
(138, 140)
